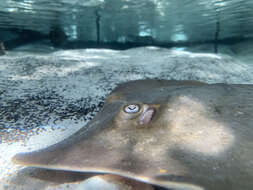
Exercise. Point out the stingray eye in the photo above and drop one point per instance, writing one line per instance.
(132, 108)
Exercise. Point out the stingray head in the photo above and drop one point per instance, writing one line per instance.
(130, 136)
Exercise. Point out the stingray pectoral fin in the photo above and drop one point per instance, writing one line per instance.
(179, 185)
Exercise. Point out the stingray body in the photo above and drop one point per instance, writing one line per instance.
(181, 135)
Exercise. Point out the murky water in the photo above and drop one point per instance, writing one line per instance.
(121, 20)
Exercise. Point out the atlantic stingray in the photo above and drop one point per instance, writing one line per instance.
(181, 135)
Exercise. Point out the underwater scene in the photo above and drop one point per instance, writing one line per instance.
(126, 95)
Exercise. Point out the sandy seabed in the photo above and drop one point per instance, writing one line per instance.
(46, 97)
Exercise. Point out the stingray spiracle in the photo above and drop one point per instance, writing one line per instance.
(146, 115)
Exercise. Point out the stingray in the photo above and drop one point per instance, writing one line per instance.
(181, 135)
